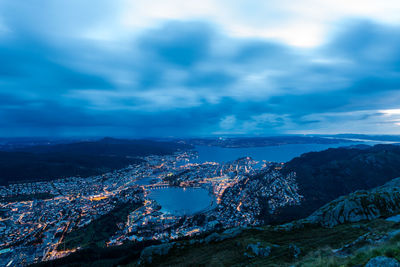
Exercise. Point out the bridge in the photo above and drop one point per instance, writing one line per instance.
(156, 186)
(165, 185)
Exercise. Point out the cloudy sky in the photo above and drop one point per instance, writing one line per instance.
(197, 68)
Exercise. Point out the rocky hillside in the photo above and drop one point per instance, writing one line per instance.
(360, 205)
(326, 175)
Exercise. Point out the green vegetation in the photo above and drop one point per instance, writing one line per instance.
(97, 232)
(322, 258)
(315, 244)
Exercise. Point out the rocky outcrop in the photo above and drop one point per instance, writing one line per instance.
(360, 205)
(227, 234)
(294, 250)
(258, 250)
(382, 261)
(367, 239)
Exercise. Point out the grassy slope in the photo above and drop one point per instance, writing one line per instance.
(313, 242)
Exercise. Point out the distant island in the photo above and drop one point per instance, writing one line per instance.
(238, 142)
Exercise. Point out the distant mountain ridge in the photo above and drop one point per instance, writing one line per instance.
(111, 146)
(235, 142)
(388, 138)
(47, 162)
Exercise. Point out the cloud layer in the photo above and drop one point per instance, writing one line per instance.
(71, 69)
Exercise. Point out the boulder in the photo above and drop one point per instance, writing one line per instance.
(382, 261)
(294, 250)
(258, 250)
(230, 233)
(214, 237)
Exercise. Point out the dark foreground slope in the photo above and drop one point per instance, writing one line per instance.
(77, 159)
(350, 244)
(326, 175)
(311, 247)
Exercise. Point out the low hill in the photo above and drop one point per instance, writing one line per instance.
(77, 159)
(324, 176)
(111, 147)
(24, 167)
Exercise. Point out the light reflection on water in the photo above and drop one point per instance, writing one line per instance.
(182, 201)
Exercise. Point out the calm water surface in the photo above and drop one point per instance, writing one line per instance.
(180, 201)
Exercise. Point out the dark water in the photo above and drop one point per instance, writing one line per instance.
(282, 153)
(180, 201)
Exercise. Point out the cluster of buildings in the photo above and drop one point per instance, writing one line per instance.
(254, 198)
(33, 230)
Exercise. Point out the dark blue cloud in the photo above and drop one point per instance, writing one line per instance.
(187, 78)
(181, 44)
(35, 66)
(262, 52)
(210, 79)
(368, 43)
